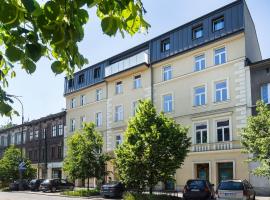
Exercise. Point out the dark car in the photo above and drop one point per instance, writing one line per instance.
(235, 189)
(198, 189)
(34, 184)
(112, 189)
(14, 186)
(54, 185)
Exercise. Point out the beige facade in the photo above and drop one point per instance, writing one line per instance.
(215, 151)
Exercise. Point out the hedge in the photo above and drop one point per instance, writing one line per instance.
(82, 193)
(136, 196)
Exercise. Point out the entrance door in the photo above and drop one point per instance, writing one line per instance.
(225, 171)
(202, 171)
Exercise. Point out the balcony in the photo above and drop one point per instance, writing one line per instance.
(218, 146)
(127, 63)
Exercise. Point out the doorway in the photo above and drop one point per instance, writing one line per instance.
(202, 171)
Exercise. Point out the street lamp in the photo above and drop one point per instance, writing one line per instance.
(17, 98)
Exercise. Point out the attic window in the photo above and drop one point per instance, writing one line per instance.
(218, 24)
(81, 79)
(197, 32)
(97, 72)
(165, 45)
(70, 83)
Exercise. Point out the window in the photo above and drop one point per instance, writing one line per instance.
(165, 45)
(223, 131)
(43, 154)
(54, 130)
(197, 32)
(72, 125)
(134, 107)
(52, 152)
(199, 96)
(167, 103)
(82, 120)
(218, 24)
(82, 98)
(167, 73)
(119, 87)
(137, 81)
(199, 63)
(118, 140)
(24, 137)
(18, 140)
(98, 94)
(31, 136)
(81, 79)
(44, 133)
(60, 129)
(99, 119)
(35, 155)
(59, 152)
(201, 133)
(221, 91)
(70, 83)
(97, 72)
(30, 155)
(265, 93)
(73, 103)
(36, 135)
(119, 113)
(220, 56)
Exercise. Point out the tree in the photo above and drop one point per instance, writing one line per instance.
(9, 166)
(154, 147)
(256, 139)
(84, 159)
(30, 30)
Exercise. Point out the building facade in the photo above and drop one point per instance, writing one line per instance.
(195, 73)
(43, 143)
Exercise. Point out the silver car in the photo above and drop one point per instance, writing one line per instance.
(235, 190)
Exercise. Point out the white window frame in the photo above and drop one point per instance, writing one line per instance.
(194, 95)
(219, 55)
(118, 142)
(36, 132)
(137, 82)
(219, 119)
(82, 120)
(167, 74)
(82, 100)
(73, 103)
(60, 130)
(98, 119)
(199, 61)
(227, 87)
(201, 133)
(118, 87)
(54, 130)
(31, 135)
(72, 125)
(118, 115)
(44, 133)
(198, 122)
(163, 102)
(225, 161)
(98, 94)
(134, 107)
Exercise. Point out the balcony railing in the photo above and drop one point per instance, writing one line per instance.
(127, 63)
(218, 146)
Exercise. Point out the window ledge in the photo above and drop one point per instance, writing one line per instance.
(222, 102)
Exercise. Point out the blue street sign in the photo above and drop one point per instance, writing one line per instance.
(22, 166)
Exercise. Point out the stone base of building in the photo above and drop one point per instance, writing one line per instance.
(53, 170)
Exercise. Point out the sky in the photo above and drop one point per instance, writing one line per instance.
(42, 92)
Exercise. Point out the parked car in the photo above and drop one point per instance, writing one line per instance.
(54, 185)
(198, 189)
(112, 189)
(34, 184)
(14, 186)
(235, 189)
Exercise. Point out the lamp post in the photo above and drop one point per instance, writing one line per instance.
(17, 98)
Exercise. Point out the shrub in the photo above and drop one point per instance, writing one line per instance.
(82, 193)
(5, 189)
(136, 196)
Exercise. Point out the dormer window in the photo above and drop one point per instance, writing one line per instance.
(218, 24)
(197, 32)
(165, 45)
(81, 79)
(97, 72)
(70, 83)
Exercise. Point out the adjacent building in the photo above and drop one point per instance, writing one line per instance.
(42, 142)
(195, 73)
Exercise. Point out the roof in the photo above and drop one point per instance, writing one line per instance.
(260, 63)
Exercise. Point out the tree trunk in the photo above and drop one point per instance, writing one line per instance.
(88, 183)
(151, 190)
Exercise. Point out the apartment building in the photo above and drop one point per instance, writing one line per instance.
(195, 73)
(42, 143)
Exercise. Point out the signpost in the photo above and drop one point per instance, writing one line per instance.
(22, 168)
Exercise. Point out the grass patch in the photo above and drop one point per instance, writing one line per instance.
(82, 193)
(135, 196)
(5, 189)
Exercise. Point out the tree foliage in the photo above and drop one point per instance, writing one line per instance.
(154, 147)
(84, 159)
(256, 139)
(9, 166)
(30, 30)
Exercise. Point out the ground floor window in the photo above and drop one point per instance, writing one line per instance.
(225, 171)
(202, 171)
(57, 173)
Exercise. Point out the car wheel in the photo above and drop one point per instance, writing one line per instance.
(254, 197)
(53, 189)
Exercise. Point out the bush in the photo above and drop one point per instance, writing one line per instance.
(5, 189)
(82, 193)
(136, 196)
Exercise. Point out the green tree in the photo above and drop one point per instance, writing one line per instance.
(30, 30)
(154, 147)
(256, 139)
(9, 166)
(84, 159)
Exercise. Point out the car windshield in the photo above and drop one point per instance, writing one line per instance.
(112, 183)
(230, 185)
(196, 184)
(46, 181)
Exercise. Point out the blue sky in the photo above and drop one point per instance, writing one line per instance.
(42, 92)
